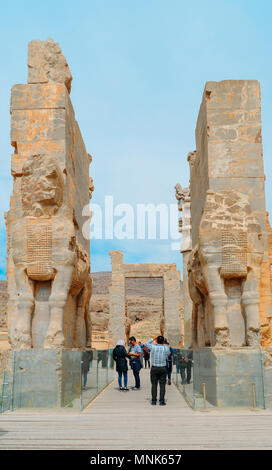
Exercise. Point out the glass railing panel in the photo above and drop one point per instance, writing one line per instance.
(110, 367)
(55, 379)
(97, 373)
(6, 392)
(47, 379)
(183, 373)
(89, 377)
(102, 363)
(26, 384)
(228, 382)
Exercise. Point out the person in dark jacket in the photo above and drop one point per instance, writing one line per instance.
(185, 359)
(120, 356)
(169, 361)
(147, 357)
(87, 357)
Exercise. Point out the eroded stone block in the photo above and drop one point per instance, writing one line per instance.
(46, 249)
(228, 266)
(46, 63)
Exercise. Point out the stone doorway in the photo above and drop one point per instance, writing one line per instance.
(144, 307)
(172, 318)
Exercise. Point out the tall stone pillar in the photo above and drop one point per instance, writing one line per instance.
(184, 206)
(172, 307)
(227, 187)
(48, 265)
(117, 320)
(229, 266)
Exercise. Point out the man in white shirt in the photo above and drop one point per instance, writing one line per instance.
(159, 354)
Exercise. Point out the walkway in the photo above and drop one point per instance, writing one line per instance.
(126, 420)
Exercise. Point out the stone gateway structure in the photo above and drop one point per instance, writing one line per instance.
(48, 265)
(171, 320)
(228, 270)
(231, 306)
(225, 311)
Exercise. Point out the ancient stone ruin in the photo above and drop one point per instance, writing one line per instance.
(171, 318)
(228, 264)
(4, 344)
(228, 268)
(48, 265)
(224, 273)
(184, 206)
(225, 310)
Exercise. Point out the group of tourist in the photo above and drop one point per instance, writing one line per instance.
(161, 354)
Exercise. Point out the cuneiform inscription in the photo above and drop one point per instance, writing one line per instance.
(234, 253)
(39, 249)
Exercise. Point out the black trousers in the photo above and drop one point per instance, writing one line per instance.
(158, 375)
(188, 369)
(169, 367)
(147, 361)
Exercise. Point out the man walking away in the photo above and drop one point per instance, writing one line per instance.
(147, 357)
(135, 353)
(159, 354)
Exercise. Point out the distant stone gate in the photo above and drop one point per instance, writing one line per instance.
(119, 325)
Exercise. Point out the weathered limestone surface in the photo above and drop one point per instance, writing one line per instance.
(118, 324)
(4, 344)
(184, 206)
(224, 273)
(232, 307)
(170, 321)
(46, 63)
(48, 266)
(265, 293)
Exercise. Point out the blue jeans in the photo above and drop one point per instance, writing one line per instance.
(136, 367)
(120, 378)
(84, 374)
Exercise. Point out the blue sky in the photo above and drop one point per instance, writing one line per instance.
(139, 69)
